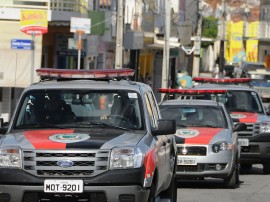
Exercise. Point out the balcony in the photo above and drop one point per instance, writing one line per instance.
(58, 10)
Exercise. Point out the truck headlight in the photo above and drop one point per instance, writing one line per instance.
(10, 157)
(265, 127)
(127, 157)
(221, 146)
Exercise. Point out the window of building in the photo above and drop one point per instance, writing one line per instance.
(104, 4)
(100, 61)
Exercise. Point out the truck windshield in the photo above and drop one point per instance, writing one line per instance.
(242, 101)
(80, 108)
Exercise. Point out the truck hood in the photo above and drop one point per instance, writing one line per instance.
(201, 135)
(72, 139)
(247, 117)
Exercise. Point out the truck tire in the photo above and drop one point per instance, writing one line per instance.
(246, 166)
(171, 193)
(266, 168)
(152, 194)
(232, 181)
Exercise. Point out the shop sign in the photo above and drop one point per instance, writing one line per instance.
(34, 22)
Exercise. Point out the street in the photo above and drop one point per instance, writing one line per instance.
(254, 187)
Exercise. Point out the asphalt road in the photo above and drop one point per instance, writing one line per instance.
(254, 187)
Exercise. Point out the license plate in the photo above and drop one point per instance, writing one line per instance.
(186, 161)
(243, 142)
(63, 186)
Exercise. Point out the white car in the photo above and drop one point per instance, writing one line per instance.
(206, 141)
(245, 106)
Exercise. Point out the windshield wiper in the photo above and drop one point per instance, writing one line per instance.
(202, 125)
(39, 125)
(180, 125)
(101, 124)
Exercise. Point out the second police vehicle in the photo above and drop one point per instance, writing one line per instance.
(245, 106)
(206, 141)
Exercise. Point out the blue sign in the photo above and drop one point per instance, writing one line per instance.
(21, 44)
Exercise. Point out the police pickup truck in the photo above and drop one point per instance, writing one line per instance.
(245, 106)
(87, 135)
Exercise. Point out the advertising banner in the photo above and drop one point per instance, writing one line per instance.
(34, 21)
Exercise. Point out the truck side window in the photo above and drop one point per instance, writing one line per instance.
(152, 118)
(154, 105)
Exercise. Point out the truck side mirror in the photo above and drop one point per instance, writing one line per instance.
(165, 127)
(239, 127)
(1, 122)
(3, 126)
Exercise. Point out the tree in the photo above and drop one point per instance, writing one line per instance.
(209, 29)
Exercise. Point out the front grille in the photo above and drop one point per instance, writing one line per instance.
(188, 168)
(253, 129)
(250, 149)
(192, 151)
(200, 167)
(84, 163)
(4, 197)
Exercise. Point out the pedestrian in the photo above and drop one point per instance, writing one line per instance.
(216, 71)
(148, 79)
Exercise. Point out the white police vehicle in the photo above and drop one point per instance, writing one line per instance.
(87, 135)
(245, 106)
(206, 141)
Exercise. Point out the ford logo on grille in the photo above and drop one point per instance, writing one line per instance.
(65, 163)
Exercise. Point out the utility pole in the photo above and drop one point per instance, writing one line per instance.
(197, 43)
(119, 37)
(245, 27)
(166, 49)
(222, 40)
(33, 57)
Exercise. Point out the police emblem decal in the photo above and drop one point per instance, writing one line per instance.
(238, 116)
(69, 137)
(187, 133)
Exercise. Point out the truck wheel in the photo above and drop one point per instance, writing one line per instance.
(152, 194)
(266, 168)
(232, 181)
(171, 192)
(246, 166)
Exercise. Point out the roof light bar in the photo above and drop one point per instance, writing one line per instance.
(85, 74)
(222, 80)
(191, 91)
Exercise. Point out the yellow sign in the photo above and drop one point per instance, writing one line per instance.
(34, 21)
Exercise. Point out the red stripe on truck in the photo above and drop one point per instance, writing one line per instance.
(40, 138)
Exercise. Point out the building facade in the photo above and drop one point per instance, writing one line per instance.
(142, 41)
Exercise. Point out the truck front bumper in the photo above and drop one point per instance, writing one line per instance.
(257, 151)
(21, 193)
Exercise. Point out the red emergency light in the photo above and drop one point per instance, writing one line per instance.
(190, 91)
(222, 80)
(85, 74)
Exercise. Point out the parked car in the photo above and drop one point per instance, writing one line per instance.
(261, 82)
(206, 139)
(250, 66)
(88, 135)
